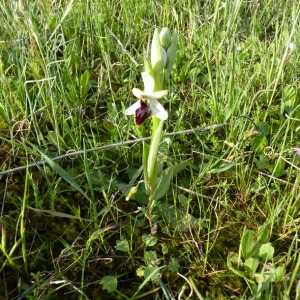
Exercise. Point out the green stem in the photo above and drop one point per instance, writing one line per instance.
(145, 166)
(152, 158)
(293, 276)
(154, 126)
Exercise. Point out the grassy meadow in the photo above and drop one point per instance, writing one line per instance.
(228, 225)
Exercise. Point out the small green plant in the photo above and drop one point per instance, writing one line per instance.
(255, 261)
(155, 78)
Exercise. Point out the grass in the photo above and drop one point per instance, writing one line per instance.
(67, 70)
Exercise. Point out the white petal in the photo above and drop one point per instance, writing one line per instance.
(148, 83)
(158, 110)
(157, 95)
(131, 109)
(137, 92)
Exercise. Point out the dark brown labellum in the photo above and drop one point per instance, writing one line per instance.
(142, 113)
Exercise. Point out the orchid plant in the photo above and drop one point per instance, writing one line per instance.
(156, 75)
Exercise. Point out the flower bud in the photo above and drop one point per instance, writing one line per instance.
(165, 56)
(132, 191)
(157, 61)
(156, 53)
(165, 37)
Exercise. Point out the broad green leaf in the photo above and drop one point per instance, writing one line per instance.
(279, 274)
(164, 180)
(259, 143)
(265, 129)
(149, 241)
(234, 270)
(249, 248)
(228, 112)
(234, 258)
(151, 273)
(109, 283)
(174, 265)
(266, 252)
(251, 265)
(263, 233)
(165, 37)
(122, 245)
(84, 84)
(133, 173)
(289, 99)
(150, 257)
(164, 249)
(263, 162)
(277, 169)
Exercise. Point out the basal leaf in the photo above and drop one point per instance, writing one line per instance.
(263, 233)
(109, 283)
(278, 167)
(259, 143)
(279, 274)
(289, 99)
(150, 257)
(251, 265)
(151, 273)
(266, 251)
(249, 248)
(174, 265)
(149, 241)
(122, 245)
(163, 182)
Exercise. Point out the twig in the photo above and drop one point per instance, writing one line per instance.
(36, 164)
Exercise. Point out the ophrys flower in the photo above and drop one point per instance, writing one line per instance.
(147, 103)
